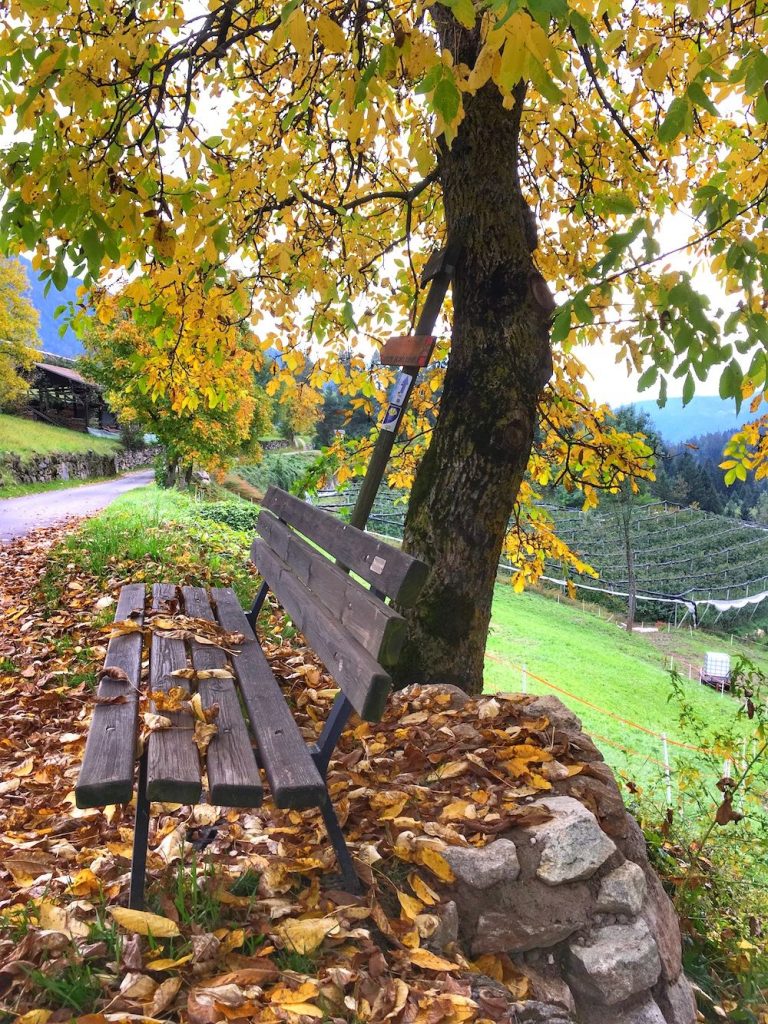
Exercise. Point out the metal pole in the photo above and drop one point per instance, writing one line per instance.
(438, 272)
(667, 772)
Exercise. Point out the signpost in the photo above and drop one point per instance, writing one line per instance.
(413, 353)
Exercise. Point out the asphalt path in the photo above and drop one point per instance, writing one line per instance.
(19, 516)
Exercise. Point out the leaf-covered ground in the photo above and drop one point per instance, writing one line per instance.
(250, 924)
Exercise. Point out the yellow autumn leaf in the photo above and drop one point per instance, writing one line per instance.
(287, 996)
(156, 723)
(431, 962)
(305, 936)
(34, 1017)
(305, 1010)
(331, 35)
(655, 74)
(144, 923)
(427, 895)
(436, 863)
(410, 905)
(394, 810)
(167, 964)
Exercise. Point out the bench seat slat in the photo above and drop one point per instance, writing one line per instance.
(359, 675)
(294, 780)
(106, 775)
(387, 569)
(374, 624)
(173, 766)
(233, 776)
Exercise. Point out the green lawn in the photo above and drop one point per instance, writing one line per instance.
(600, 666)
(26, 438)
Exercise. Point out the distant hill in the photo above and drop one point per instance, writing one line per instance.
(704, 414)
(67, 344)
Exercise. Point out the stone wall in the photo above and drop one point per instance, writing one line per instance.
(573, 902)
(73, 465)
(277, 444)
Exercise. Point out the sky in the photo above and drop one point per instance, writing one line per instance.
(612, 383)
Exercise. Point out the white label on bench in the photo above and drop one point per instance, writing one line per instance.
(377, 565)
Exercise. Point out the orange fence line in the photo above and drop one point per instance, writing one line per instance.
(627, 750)
(604, 711)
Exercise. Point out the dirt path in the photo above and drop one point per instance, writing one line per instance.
(18, 516)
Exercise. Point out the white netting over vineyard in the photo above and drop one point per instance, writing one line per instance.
(697, 560)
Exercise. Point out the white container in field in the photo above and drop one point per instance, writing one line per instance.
(716, 670)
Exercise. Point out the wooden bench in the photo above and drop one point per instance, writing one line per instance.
(311, 561)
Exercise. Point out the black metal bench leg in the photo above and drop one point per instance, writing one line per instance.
(140, 839)
(333, 828)
(253, 614)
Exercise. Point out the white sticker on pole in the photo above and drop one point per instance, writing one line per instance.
(400, 390)
(390, 418)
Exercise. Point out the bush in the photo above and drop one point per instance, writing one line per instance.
(283, 469)
(710, 852)
(239, 515)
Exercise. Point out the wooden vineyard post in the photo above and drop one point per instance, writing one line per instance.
(438, 273)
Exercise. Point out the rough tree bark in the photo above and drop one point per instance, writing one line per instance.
(464, 490)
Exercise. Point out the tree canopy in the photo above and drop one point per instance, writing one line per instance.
(18, 333)
(293, 164)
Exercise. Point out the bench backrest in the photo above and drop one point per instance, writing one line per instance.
(350, 627)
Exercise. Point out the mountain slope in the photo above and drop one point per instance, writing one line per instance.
(67, 344)
(704, 414)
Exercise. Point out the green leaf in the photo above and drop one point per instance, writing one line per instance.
(647, 379)
(462, 10)
(618, 202)
(689, 389)
(730, 381)
(676, 120)
(59, 275)
(446, 99)
(93, 249)
(561, 325)
(700, 98)
(580, 27)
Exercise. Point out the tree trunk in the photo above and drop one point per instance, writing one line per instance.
(170, 472)
(500, 360)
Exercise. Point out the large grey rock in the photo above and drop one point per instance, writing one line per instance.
(677, 1001)
(531, 915)
(573, 846)
(417, 692)
(558, 714)
(621, 962)
(548, 986)
(659, 914)
(481, 868)
(447, 931)
(645, 1011)
(622, 890)
(534, 1012)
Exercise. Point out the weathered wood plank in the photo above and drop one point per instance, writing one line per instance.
(360, 676)
(387, 569)
(294, 780)
(379, 628)
(173, 763)
(106, 775)
(233, 775)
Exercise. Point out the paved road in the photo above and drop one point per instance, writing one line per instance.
(18, 516)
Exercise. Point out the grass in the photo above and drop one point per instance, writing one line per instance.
(596, 663)
(20, 490)
(26, 438)
(135, 529)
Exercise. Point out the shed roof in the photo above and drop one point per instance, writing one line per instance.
(64, 371)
